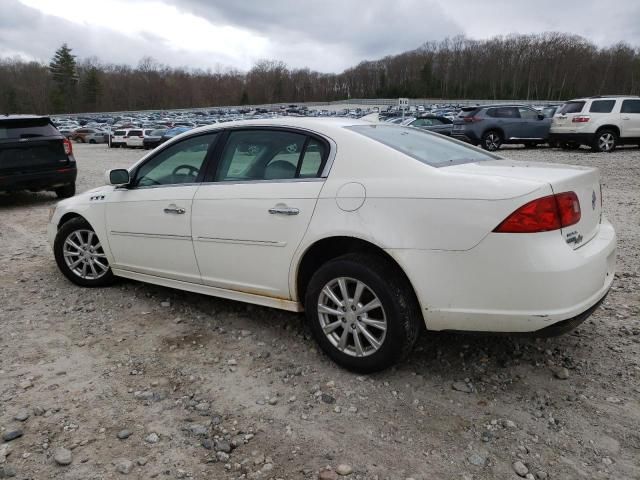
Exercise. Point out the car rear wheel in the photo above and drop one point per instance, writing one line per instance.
(491, 140)
(80, 256)
(605, 141)
(362, 312)
(92, 141)
(66, 191)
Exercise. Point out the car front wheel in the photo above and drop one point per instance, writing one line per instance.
(66, 191)
(80, 255)
(362, 312)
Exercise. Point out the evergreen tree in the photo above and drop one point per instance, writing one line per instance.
(91, 89)
(65, 77)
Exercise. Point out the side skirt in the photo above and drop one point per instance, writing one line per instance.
(272, 302)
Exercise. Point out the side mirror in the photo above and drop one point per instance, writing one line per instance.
(117, 176)
(540, 116)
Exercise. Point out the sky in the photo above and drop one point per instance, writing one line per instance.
(324, 35)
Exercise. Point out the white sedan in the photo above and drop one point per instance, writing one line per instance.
(374, 230)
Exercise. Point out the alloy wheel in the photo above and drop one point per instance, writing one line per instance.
(352, 317)
(492, 141)
(84, 255)
(606, 142)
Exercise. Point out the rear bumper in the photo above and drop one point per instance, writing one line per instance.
(465, 136)
(508, 284)
(43, 180)
(581, 138)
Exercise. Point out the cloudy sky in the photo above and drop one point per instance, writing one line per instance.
(325, 35)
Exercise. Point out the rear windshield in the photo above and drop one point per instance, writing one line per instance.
(133, 133)
(27, 128)
(430, 148)
(468, 112)
(119, 133)
(602, 106)
(571, 107)
(157, 133)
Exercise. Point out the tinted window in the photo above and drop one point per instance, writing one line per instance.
(135, 133)
(27, 128)
(268, 155)
(602, 106)
(179, 163)
(527, 113)
(157, 133)
(434, 150)
(571, 107)
(630, 106)
(119, 133)
(503, 112)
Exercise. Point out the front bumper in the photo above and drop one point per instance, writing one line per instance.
(511, 282)
(42, 180)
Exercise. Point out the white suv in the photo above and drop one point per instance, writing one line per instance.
(601, 122)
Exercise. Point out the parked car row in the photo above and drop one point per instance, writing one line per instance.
(601, 122)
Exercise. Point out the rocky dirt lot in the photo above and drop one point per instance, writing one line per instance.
(148, 382)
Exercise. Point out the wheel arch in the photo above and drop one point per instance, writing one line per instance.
(609, 127)
(328, 248)
(70, 216)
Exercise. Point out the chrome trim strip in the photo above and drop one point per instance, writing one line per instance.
(151, 235)
(264, 243)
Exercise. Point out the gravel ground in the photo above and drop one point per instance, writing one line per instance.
(150, 382)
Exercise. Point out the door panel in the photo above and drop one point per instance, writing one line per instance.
(630, 119)
(146, 239)
(149, 223)
(239, 244)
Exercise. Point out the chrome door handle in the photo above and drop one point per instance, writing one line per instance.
(626, 118)
(174, 209)
(283, 211)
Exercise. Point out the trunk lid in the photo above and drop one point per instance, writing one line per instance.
(584, 181)
(29, 144)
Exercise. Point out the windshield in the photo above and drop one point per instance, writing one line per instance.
(430, 148)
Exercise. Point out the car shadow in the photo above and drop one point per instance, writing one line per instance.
(26, 199)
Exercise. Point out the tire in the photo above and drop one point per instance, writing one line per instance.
(604, 141)
(399, 312)
(92, 141)
(66, 191)
(78, 230)
(570, 146)
(491, 140)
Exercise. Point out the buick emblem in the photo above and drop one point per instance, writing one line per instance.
(593, 200)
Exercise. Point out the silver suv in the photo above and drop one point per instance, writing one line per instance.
(601, 122)
(491, 126)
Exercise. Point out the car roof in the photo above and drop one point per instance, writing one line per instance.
(319, 125)
(23, 117)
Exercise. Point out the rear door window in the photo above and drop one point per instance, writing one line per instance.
(571, 107)
(503, 112)
(602, 106)
(630, 106)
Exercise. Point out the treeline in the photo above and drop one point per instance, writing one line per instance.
(550, 66)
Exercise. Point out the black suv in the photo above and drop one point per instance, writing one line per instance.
(491, 126)
(35, 156)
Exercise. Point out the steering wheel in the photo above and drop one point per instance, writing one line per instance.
(193, 171)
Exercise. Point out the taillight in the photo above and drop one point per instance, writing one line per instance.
(581, 119)
(471, 119)
(543, 215)
(68, 147)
